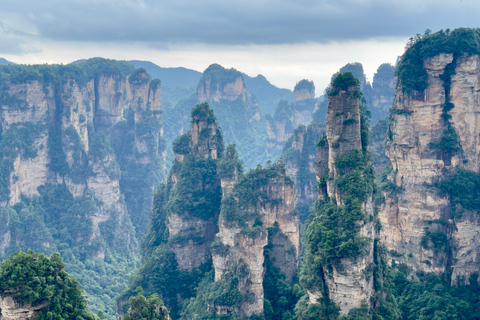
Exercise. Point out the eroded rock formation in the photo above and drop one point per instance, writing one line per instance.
(247, 223)
(414, 210)
(299, 155)
(341, 154)
(10, 309)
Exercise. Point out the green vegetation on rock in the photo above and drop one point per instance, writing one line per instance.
(410, 71)
(141, 308)
(39, 281)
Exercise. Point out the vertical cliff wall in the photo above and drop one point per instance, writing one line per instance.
(344, 215)
(260, 209)
(184, 218)
(299, 155)
(215, 231)
(432, 137)
(192, 226)
(73, 140)
(290, 115)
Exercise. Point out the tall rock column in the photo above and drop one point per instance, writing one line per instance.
(340, 237)
(192, 217)
(261, 207)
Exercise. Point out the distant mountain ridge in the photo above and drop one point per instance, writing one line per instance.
(4, 61)
(170, 77)
(267, 94)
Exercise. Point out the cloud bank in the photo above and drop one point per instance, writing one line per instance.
(233, 22)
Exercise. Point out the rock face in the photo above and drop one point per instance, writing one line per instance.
(383, 91)
(203, 141)
(82, 152)
(71, 115)
(304, 104)
(210, 211)
(288, 116)
(10, 309)
(217, 85)
(346, 281)
(243, 235)
(299, 155)
(414, 208)
(379, 94)
(237, 113)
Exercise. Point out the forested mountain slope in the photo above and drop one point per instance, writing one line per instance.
(82, 151)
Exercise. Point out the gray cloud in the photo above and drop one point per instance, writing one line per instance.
(239, 22)
(12, 42)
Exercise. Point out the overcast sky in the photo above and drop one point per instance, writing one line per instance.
(285, 40)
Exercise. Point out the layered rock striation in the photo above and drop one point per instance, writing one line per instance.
(82, 151)
(299, 155)
(344, 212)
(432, 134)
(212, 226)
(289, 116)
(262, 202)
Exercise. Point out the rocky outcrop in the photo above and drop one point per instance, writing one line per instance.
(244, 228)
(219, 84)
(339, 153)
(383, 91)
(304, 104)
(10, 309)
(191, 235)
(288, 116)
(413, 206)
(378, 95)
(299, 155)
(67, 114)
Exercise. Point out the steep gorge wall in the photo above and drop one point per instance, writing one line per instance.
(342, 213)
(245, 228)
(288, 116)
(299, 155)
(414, 208)
(73, 140)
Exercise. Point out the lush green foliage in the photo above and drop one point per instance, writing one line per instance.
(223, 293)
(57, 221)
(139, 77)
(410, 70)
(342, 82)
(198, 192)
(333, 235)
(159, 274)
(81, 72)
(229, 163)
(220, 76)
(463, 188)
(280, 296)
(305, 85)
(141, 308)
(42, 281)
(182, 145)
(432, 297)
(249, 191)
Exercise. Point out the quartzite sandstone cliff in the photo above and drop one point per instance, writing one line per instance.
(347, 284)
(415, 206)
